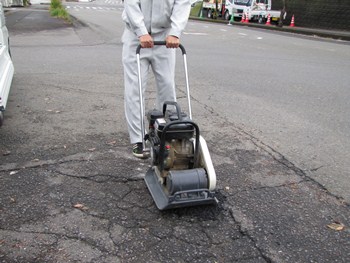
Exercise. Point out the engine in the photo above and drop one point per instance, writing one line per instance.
(171, 141)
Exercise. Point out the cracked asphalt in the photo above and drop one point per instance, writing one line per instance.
(70, 191)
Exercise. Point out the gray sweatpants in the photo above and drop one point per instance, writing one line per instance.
(162, 62)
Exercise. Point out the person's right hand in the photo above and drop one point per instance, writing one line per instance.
(146, 41)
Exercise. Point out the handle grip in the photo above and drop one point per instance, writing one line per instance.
(177, 106)
(161, 43)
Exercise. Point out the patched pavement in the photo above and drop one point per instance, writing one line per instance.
(70, 190)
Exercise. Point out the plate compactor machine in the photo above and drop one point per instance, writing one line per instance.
(181, 172)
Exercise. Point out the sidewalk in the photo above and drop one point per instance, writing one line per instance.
(334, 34)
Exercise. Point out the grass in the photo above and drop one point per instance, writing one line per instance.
(57, 10)
(196, 10)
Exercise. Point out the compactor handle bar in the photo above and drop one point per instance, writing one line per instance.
(161, 43)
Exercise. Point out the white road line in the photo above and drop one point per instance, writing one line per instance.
(92, 8)
(196, 34)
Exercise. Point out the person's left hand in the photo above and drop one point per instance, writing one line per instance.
(172, 42)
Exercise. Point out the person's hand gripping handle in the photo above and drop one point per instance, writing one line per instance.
(146, 41)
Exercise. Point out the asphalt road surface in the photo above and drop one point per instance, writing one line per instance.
(71, 191)
(287, 91)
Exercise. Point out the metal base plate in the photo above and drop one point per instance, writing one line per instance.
(180, 199)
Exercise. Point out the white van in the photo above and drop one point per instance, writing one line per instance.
(6, 65)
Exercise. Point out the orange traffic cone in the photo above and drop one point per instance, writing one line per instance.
(292, 22)
(247, 17)
(243, 18)
(268, 22)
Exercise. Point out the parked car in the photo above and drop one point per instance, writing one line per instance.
(6, 65)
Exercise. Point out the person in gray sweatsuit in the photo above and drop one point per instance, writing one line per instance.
(147, 21)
